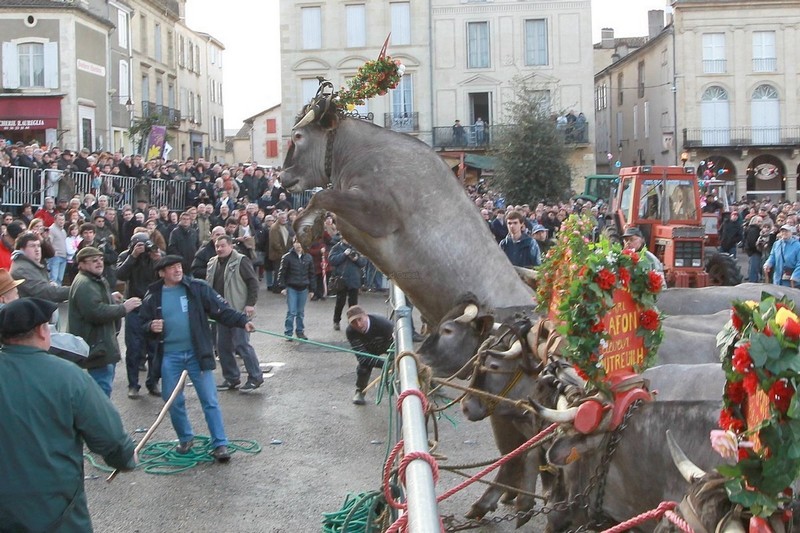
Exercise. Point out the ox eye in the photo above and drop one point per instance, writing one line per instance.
(493, 366)
(447, 330)
(297, 136)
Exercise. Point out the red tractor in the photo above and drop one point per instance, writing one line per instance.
(664, 203)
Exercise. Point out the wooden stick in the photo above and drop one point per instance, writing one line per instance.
(372, 384)
(177, 390)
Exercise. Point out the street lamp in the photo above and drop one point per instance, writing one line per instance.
(130, 107)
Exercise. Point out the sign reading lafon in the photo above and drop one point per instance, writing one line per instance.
(21, 124)
(625, 348)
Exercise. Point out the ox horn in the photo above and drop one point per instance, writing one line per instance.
(554, 415)
(511, 353)
(733, 526)
(306, 120)
(470, 312)
(689, 470)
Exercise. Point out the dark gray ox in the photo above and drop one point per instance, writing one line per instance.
(641, 474)
(399, 204)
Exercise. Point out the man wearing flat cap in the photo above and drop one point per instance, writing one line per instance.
(371, 334)
(51, 408)
(93, 316)
(176, 310)
(633, 239)
(784, 258)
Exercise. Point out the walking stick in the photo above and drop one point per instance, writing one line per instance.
(177, 390)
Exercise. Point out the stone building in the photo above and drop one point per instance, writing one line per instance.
(265, 137)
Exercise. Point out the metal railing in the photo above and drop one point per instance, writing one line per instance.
(714, 66)
(172, 115)
(483, 137)
(741, 136)
(765, 64)
(32, 186)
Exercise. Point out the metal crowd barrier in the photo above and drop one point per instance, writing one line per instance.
(423, 511)
(32, 186)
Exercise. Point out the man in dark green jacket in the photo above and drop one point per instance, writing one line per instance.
(51, 408)
(93, 316)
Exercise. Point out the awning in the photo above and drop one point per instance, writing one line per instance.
(29, 112)
(480, 161)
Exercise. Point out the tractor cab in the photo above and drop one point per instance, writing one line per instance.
(714, 201)
(664, 203)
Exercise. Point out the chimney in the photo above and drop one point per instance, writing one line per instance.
(655, 22)
(607, 38)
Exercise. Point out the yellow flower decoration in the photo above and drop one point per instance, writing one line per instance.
(752, 304)
(783, 315)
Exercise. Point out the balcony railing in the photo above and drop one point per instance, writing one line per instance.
(171, 115)
(404, 122)
(475, 137)
(741, 136)
(714, 66)
(765, 64)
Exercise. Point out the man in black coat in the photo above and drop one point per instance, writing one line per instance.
(730, 234)
(183, 241)
(371, 334)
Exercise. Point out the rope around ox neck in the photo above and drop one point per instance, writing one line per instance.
(664, 508)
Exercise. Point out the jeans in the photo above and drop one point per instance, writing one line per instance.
(296, 302)
(351, 295)
(57, 266)
(237, 340)
(268, 276)
(104, 376)
(136, 346)
(754, 268)
(171, 367)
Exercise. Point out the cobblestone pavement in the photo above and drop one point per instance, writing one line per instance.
(316, 445)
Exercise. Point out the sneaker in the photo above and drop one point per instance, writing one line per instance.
(221, 454)
(184, 447)
(336, 326)
(302, 336)
(153, 391)
(250, 386)
(228, 385)
(358, 399)
(133, 393)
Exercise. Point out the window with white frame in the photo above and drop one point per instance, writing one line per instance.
(635, 122)
(477, 44)
(356, 25)
(401, 22)
(764, 53)
(124, 82)
(30, 64)
(713, 53)
(157, 42)
(601, 97)
(122, 29)
(403, 97)
(181, 51)
(311, 18)
(536, 42)
(309, 88)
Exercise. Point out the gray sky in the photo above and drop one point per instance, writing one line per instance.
(249, 30)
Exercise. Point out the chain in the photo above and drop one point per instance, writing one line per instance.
(598, 480)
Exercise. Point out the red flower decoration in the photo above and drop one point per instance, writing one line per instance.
(580, 372)
(729, 421)
(750, 383)
(582, 272)
(649, 320)
(781, 394)
(654, 280)
(791, 328)
(624, 276)
(734, 390)
(743, 454)
(634, 255)
(605, 279)
(767, 331)
(737, 321)
(598, 327)
(742, 362)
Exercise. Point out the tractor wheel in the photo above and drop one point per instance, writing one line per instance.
(723, 270)
(611, 233)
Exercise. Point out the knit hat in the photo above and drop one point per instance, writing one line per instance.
(354, 312)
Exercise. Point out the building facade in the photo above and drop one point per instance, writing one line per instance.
(79, 74)
(461, 59)
(265, 134)
(735, 78)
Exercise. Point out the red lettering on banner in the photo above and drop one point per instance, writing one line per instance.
(624, 349)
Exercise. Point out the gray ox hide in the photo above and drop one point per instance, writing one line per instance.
(399, 204)
(641, 473)
(710, 300)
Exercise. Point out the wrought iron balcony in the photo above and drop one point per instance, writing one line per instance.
(405, 122)
(714, 66)
(741, 136)
(483, 137)
(171, 115)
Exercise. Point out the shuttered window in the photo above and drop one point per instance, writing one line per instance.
(356, 25)
(312, 27)
(401, 22)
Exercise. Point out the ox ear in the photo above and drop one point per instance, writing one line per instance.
(483, 324)
(567, 449)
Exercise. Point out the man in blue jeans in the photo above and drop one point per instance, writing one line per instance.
(176, 310)
(296, 273)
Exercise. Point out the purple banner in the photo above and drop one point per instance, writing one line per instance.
(155, 142)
